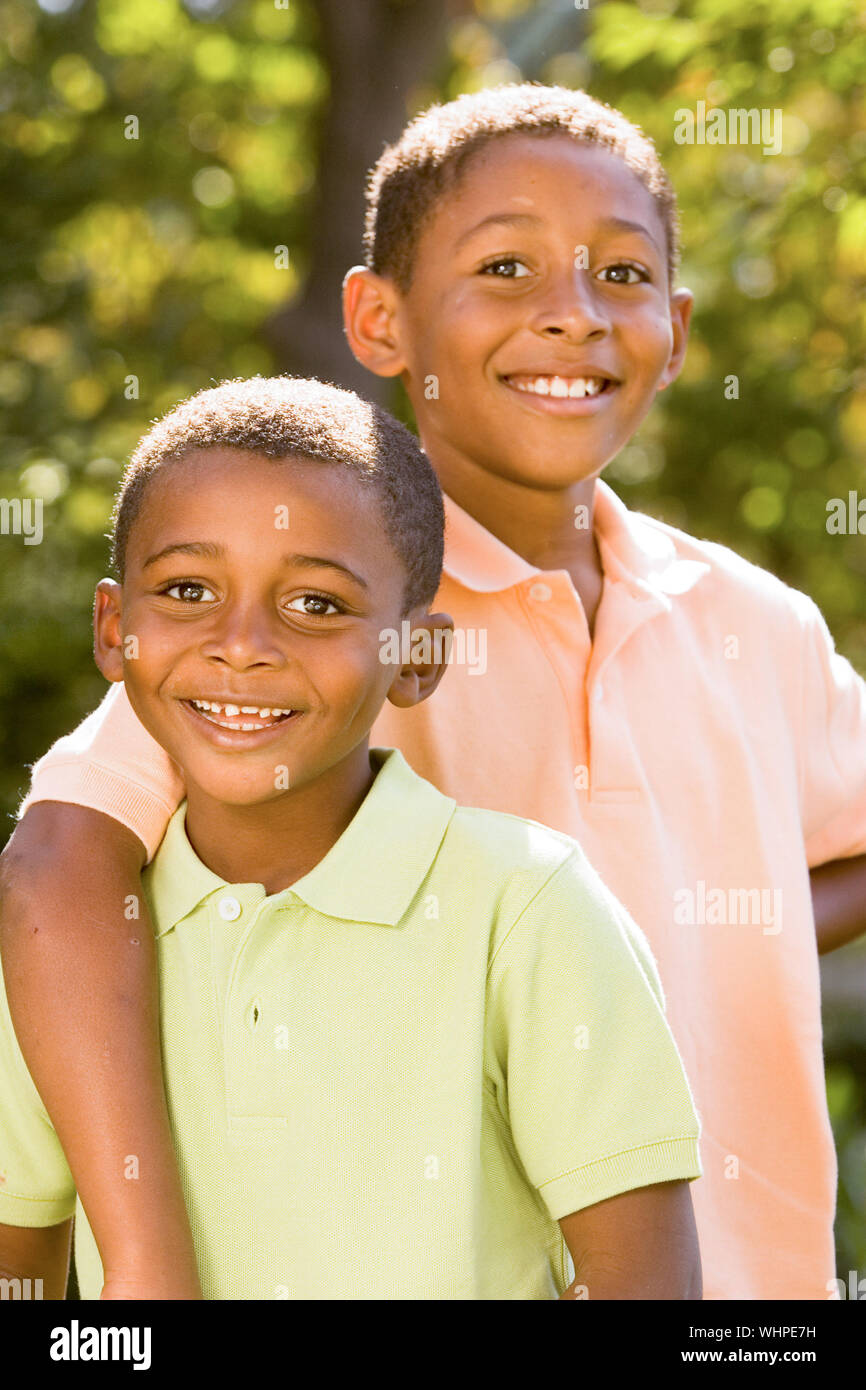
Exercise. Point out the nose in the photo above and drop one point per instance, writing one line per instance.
(572, 308)
(243, 637)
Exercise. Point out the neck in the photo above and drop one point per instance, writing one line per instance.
(276, 842)
(551, 529)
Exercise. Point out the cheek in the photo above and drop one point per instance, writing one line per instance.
(455, 331)
(476, 318)
(150, 644)
(345, 671)
(657, 337)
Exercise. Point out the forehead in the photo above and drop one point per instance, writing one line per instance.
(235, 491)
(553, 177)
(201, 475)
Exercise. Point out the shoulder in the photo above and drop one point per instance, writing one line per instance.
(728, 577)
(498, 843)
(522, 870)
(553, 923)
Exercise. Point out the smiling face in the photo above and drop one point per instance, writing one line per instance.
(257, 644)
(546, 366)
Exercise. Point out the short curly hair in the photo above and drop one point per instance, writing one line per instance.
(285, 418)
(430, 156)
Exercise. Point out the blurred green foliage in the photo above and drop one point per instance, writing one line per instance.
(845, 1078)
(151, 164)
(156, 156)
(775, 251)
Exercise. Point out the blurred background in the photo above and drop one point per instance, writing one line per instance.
(182, 194)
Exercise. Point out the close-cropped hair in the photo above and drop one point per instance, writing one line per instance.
(287, 418)
(429, 158)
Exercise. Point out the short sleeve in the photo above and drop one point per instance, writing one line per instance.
(833, 746)
(36, 1186)
(580, 1054)
(112, 764)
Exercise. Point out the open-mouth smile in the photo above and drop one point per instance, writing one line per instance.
(236, 723)
(562, 395)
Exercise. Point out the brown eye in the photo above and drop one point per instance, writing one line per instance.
(188, 591)
(640, 275)
(506, 268)
(319, 602)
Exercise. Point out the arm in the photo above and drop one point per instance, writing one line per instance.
(839, 901)
(587, 1075)
(641, 1244)
(41, 1252)
(82, 987)
(832, 741)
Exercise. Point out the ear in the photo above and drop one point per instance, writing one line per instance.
(425, 645)
(370, 304)
(107, 633)
(681, 304)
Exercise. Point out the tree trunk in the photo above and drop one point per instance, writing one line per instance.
(376, 51)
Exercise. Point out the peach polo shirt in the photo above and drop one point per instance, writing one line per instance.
(706, 749)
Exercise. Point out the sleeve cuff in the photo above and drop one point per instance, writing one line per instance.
(87, 784)
(669, 1160)
(35, 1211)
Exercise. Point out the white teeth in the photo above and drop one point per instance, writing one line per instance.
(576, 388)
(586, 386)
(232, 710)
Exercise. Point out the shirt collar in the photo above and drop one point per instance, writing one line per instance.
(635, 551)
(371, 874)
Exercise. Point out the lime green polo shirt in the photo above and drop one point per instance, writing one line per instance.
(390, 1080)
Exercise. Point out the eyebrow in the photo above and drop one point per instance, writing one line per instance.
(210, 551)
(622, 224)
(510, 219)
(506, 219)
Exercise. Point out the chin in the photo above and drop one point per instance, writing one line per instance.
(236, 791)
(546, 474)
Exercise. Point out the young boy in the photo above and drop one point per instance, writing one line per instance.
(679, 712)
(402, 1039)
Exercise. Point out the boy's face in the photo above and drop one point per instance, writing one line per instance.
(501, 304)
(254, 583)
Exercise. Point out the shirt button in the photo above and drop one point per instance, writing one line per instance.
(229, 909)
(599, 694)
(540, 591)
